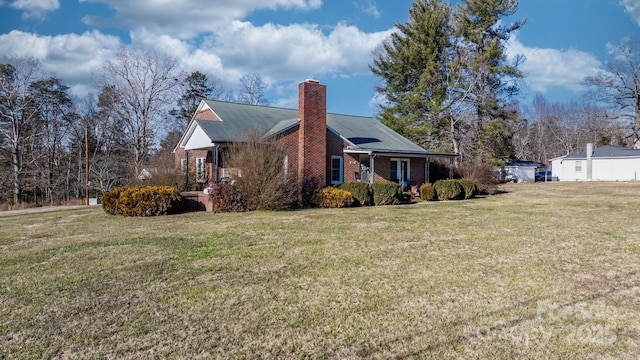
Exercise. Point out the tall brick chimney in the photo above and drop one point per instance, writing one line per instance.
(312, 137)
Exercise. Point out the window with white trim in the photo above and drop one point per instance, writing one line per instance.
(336, 169)
(183, 165)
(578, 166)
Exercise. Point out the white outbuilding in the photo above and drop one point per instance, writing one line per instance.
(521, 170)
(606, 163)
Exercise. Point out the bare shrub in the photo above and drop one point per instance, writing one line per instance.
(483, 175)
(224, 197)
(261, 177)
(161, 171)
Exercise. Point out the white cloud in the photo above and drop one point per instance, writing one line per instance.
(370, 9)
(187, 18)
(282, 54)
(296, 51)
(545, 68)
(35, 8)
(71, 57)
(633, 8)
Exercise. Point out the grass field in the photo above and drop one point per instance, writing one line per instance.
(542, 271)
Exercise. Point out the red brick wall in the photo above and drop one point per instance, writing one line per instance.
(417, 171)
(381, 168)
(193, 154)
(351, 167)
(335, 146)
(312, 140)
(287, 143)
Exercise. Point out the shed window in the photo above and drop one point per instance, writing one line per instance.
(578, 166)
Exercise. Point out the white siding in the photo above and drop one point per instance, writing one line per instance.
(198, 140)
(616, 169)
(524, 173)
(603, 169)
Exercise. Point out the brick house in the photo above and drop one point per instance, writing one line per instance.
(322, 148)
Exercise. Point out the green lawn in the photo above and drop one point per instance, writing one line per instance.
(542, 271)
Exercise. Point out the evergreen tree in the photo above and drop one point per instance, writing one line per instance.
(492, 79)
(446, 80)
(415, 67)
(196, 88)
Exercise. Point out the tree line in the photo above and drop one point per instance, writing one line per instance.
(134, 122)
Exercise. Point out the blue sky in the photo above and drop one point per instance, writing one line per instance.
(288, 41)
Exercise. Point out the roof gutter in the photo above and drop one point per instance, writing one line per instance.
(424, 155)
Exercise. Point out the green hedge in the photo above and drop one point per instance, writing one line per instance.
(455, 189)
(331, 197)
(109, 200)
(427, 192)
(361, 191)
(449, 189)
(470, 188)
(386, 193)
(141, 200)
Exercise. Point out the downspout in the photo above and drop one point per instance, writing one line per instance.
(186, 171)
(589, 161)
(217, 163)
(372, 176)
(426, 171)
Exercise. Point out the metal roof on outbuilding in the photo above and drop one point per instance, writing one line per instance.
(606, 151)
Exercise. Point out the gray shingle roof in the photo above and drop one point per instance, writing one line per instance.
(365, 133)
(524, 163)
(237, 119)
(607, 151)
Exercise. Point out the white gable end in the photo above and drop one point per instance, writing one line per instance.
(198, 140)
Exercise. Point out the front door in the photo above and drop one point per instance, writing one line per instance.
(400, 171)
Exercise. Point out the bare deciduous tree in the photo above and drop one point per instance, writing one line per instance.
(18, 113)
(142, 84)
(619, 84)
(253, 90)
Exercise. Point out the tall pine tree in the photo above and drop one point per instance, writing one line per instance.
(493, 80)
(446, 79)
(414, 64)
(196, 87)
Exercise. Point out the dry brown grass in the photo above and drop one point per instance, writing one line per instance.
(543, 271)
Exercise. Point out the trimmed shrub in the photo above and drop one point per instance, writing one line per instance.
(449, 189)
(109, 200)
(386, 193)
(224, 197)
(470, 188)
(360, 191)
(427, 192)
(141, 200)
(331, 197)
